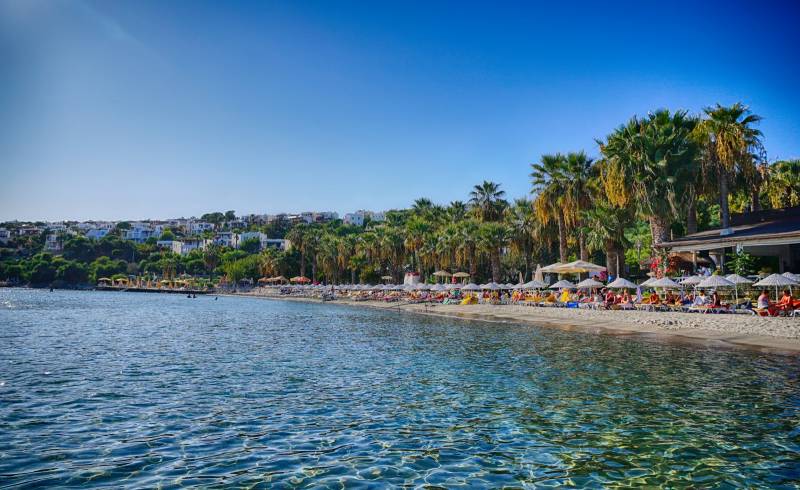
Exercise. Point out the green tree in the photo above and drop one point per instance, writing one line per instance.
(729, 141)
(649, 162)
(251, 245)
(487, 200)
(493, 237)
(783, 184)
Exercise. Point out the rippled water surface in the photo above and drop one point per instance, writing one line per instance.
(125, 390)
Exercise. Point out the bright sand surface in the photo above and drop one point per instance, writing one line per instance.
(775, 335)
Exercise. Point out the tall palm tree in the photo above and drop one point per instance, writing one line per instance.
(487, 200)
(729, 141)
(522, 225)
(422, 206)
(550, 188)
(467, 250)
(311, 241)
(577, 174)
(493, 237)
(212, 255)
(417, 229)
(648, 163)
(297, 237)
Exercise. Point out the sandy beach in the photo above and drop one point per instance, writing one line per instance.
(766, 334)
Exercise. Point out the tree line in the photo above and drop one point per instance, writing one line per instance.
(658, 176)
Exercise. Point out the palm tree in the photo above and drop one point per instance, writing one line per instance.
(467, 249)
(783, 184)
(211, 258)
(522, 225)
(311, 241)
(648, 164)
(297, 237)
(729, 142)
(577, 174)
(417, 229)
(487, 200)
(346, 250)
(550, 188)
(422, 206)
(493, 237)
(604, 226)
(456, 211)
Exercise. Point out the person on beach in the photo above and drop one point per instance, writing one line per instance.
(716, 302)
(610, 297)
(701, 299)
(785, 304)
(763, 300)
(688, 299)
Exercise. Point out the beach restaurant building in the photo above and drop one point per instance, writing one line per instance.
(770, 233)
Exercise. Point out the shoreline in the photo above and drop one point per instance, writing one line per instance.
(659, 326)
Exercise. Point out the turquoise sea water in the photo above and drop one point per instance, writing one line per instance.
(125, 390)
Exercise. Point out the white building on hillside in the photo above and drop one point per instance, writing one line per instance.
(183, 247)
(227, 239)
(5, 236)
(360, 217)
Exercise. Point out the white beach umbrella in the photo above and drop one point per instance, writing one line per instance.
(550, 268)
(715, 282)
(691, 281)
(665, 282)
(451, 286)
(791, 275)
(438, 287)
(535, 284)
(589, 284)
(648, 282)
(562, 284)
(776, 280)
(518, 286)
(471, 287)
(507, 285)
(737, 279)
(492, 286)
(576, 267)
(622, 283)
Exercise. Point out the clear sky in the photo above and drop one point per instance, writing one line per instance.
(154, 109)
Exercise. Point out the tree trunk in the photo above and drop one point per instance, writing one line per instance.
(496, 266)
(611, 259)
(314, 269)
(584, 252)
(302, 264)
(562, 239)
(473, 266)
(724, 211)
(352, 276)
(691, 214)
(620, 260)
(527, 266)
(755, 203)
(659, 228)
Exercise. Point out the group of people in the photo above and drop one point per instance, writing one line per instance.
(783, 306)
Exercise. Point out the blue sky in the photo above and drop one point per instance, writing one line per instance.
(149, 109)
